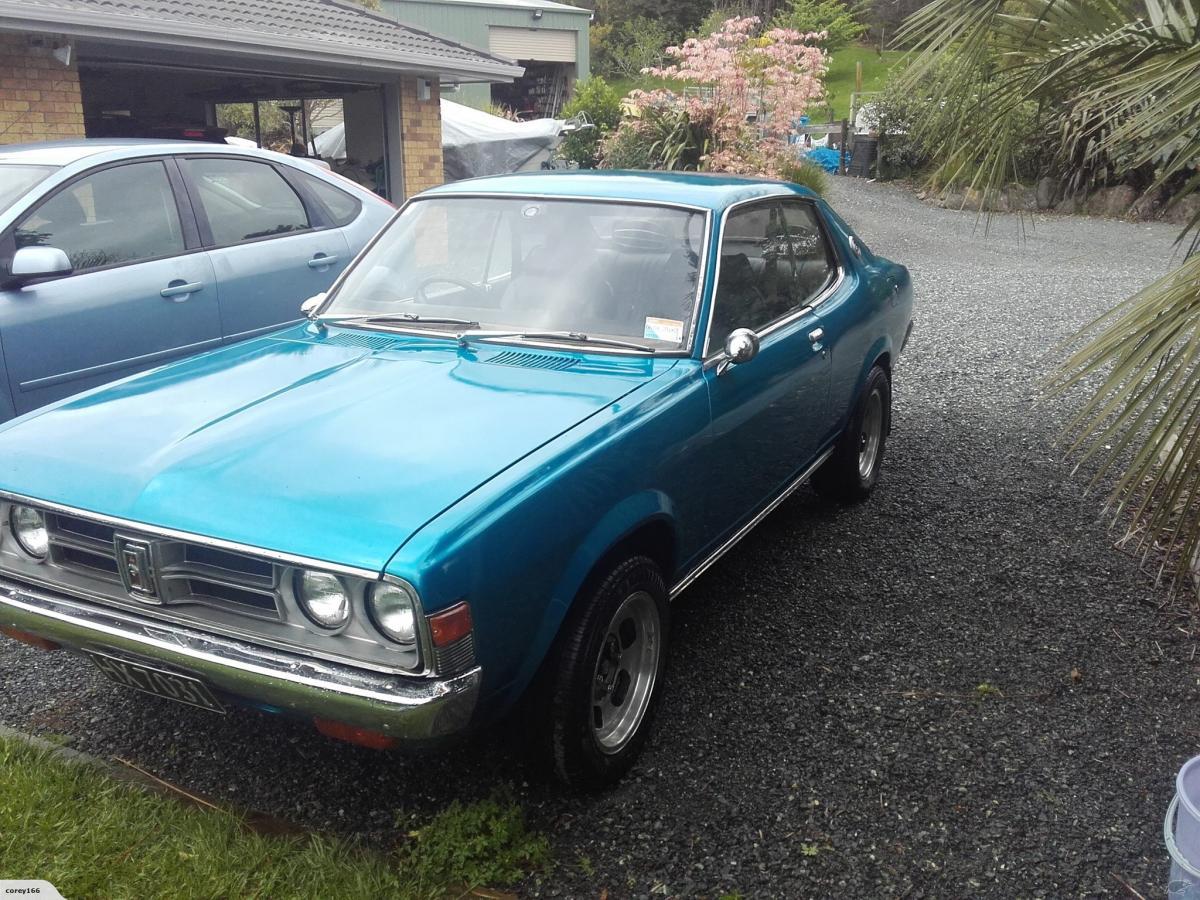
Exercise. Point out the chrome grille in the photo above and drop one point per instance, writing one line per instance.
(188, 573)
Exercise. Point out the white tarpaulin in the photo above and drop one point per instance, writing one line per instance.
(475, 143)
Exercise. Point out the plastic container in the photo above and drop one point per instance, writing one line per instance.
(1181, 834)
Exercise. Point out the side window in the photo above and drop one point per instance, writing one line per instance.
(245, 200)
(815, 267)
(343, 208)
(124, 214)
(757, 283)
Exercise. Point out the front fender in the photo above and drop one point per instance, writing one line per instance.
(619, 523)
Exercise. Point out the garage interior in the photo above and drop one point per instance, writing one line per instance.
(549, 58)
(122, 99)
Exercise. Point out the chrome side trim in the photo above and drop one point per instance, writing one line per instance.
(189, 537)
(704, 566)
(790, 317)
(407, 708)
(701, 280)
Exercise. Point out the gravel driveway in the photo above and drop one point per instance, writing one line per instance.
(868, 702)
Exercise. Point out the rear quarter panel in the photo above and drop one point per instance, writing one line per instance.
(866, 323)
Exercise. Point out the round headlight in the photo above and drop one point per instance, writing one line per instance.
(394, 610)
(323, 597)
(29, 528)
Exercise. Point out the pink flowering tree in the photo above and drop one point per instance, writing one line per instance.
(750, 88)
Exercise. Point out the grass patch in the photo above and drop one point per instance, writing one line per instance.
(839, 80)
(92, 836)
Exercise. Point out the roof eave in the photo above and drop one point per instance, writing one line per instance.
(14, 16)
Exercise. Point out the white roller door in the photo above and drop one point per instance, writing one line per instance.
(536, 44)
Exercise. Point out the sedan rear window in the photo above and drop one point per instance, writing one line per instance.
(16, 180)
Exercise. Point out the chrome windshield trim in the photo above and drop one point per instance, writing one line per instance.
(790, 317)
(684, 583)
(701, 271)
(287, 559)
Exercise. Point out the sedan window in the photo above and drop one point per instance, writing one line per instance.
(118, 215)
(758, 273)
(343, 208)
(815, 266)
(15, 180)
(246, 200)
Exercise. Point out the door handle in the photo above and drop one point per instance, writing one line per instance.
(817, 335)
(322, 262)
(181, 290)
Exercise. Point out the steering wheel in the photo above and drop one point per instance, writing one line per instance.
(421, 297)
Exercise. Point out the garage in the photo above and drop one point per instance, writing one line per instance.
(551, 41)
(170, 68)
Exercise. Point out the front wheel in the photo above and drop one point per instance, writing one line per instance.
(851, 473)
(601, 684)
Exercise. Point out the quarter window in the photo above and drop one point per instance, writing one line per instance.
(815, 267)
(245, 201)
(120, 215)
(758, 276)
(343, 208)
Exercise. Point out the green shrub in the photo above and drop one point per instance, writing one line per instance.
(913, 123)
(621, 49)
(831, 16)
(663, 138)
(807, 174)
(602, 105)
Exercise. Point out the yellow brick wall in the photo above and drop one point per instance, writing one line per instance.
(39, 96)
(421, 131)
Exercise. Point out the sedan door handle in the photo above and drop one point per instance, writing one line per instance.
(322, 262)
(181, 290)
(817, 335)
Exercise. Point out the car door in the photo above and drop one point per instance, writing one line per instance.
(141, 291)
(768, 414)
(271, 247)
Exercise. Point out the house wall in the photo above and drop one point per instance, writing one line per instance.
(421, 136)
(468, 23)
(40, 98)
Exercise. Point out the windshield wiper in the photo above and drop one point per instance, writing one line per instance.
(404, 319)
(574, 337)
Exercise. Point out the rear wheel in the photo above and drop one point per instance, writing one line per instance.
(851, 473)
(600, 687)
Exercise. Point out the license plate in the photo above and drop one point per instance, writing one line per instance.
(160, 683)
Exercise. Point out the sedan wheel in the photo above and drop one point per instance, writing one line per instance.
(852, 471)
(626, 671)
(594, 701)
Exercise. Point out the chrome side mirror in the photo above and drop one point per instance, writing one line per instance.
(740, 347)
(30, 263)
(310, 306)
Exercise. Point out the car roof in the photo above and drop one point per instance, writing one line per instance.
(706, 190)
(65, 153)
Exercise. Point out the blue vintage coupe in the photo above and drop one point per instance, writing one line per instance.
(529, 415)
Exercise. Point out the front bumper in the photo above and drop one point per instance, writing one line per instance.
(411, 710)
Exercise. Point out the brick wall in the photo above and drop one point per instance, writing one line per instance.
(39, 96)
(421, 131)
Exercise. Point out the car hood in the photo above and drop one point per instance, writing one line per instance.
(334, 446)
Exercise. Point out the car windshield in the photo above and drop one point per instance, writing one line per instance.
(625, 273)
(15, 180)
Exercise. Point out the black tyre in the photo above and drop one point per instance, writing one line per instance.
(850, 475)
(599, 689)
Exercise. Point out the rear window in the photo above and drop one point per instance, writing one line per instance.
(16, 180)
(341, 206)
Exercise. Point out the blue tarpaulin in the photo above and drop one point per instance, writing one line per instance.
(827, 158)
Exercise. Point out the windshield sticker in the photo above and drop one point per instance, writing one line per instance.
(670, 330)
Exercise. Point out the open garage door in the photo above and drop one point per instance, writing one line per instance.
(539, 45)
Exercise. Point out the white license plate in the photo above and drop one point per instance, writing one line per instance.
(160, 683)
